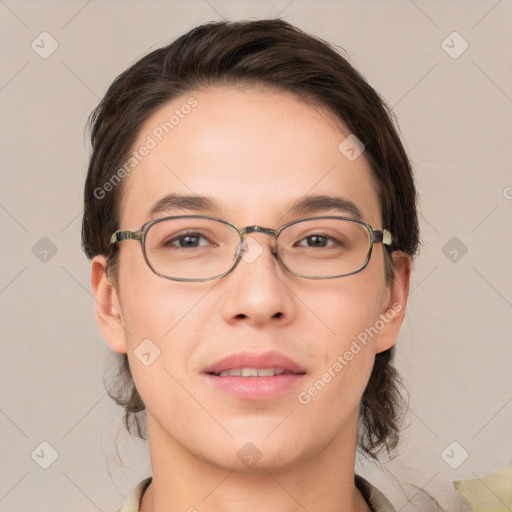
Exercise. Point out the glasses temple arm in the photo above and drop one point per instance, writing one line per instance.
(119, 236)
(383, 236)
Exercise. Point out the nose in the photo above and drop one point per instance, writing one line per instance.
(257, 291)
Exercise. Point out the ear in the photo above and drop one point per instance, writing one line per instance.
(394, 312)
(108, 307)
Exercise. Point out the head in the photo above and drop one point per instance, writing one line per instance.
(252, 115)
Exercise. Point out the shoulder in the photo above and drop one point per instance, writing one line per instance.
(132, 502)
(377, 501)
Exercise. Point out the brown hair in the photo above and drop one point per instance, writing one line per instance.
(270, 53)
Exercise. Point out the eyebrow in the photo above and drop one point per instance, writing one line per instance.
(322, 203)
(305, 205)
(175, 201)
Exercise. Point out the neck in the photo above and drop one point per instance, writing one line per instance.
(182, 481)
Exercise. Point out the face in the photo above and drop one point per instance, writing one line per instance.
(254, 152)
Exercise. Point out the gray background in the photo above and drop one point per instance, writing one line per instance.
(455, 349)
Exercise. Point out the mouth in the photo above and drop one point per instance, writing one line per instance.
(253, 372)
(252, 376)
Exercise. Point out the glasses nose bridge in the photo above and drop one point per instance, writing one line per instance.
(260, 229)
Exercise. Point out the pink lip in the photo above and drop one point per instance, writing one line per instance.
(270, 359)
(255, 388)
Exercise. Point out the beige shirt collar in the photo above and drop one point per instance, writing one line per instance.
(375, 499)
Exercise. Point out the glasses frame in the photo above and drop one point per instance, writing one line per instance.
(376, 236)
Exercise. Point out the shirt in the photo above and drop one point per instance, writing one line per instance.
(375, 499)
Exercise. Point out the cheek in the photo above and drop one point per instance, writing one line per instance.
(345, 307)
(346, 315)
(337, 382)
(154, 307)
(163, 322)
(161, 326)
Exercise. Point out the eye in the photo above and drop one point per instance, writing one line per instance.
(189, 239)
(318, 240)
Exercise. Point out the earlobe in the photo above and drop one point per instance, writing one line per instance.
(394, 313)
(108, 308)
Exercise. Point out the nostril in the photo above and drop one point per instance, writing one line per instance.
(278, 315)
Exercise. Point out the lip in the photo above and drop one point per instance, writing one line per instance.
(244, 359)
(255, 388)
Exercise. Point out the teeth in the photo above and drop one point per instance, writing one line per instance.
(234, 373)
(252, 372)
(266, 372)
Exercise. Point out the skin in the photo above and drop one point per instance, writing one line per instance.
(253, 150)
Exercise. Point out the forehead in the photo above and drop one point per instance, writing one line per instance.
(253, 152)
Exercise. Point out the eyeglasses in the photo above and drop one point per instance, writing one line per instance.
(201, 248)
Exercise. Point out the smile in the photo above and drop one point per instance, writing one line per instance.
(255, 376)
(253, 372)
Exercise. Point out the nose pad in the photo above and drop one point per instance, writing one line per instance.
(252, 250)
(249, 249)
(239, 249)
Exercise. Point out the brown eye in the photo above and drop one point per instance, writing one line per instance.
(191, 239)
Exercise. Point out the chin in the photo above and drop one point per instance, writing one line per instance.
(260, 454)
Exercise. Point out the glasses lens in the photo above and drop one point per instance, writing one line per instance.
(324, 247)
(191, 248)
